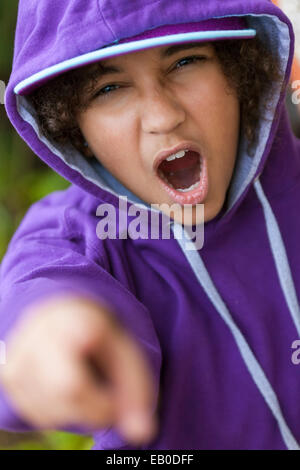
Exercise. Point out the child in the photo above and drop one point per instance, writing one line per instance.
(148, 342)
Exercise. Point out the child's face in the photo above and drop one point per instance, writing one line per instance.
(154, 105)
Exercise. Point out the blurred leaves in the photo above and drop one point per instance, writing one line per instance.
(24, 179)
(47, 440)
(8, 18)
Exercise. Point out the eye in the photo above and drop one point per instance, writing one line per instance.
(103, 92)
(189, 60)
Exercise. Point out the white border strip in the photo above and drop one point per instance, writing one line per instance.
(119, 49)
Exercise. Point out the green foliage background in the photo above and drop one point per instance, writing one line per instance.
(24, 179)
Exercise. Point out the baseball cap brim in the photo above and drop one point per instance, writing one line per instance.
(133, 44)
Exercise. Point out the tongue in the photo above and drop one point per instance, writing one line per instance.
(182, 172)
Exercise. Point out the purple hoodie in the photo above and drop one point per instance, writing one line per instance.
(216, 324)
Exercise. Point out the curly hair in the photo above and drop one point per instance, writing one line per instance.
(250, 68)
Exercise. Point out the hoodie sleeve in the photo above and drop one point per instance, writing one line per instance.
(40, 262)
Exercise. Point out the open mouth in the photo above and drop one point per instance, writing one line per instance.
(184, 176)
(181, 171)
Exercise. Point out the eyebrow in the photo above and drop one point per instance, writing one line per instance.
(172, 50)
(181, 47)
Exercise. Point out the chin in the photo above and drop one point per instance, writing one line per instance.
(197, 214)
(190, 215)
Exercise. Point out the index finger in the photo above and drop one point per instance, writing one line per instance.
(125, 366)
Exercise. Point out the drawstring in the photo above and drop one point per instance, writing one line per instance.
(280, 257)
(255, 369)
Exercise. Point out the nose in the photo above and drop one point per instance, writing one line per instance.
(161, 111)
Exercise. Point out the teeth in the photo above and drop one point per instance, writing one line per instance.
(183, 190)
(179, 154)
(193, 186)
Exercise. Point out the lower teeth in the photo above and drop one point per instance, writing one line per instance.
(184, 190)
(193, 186)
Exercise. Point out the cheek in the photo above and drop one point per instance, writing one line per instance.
(217, 111)
(96, 119)
(106, 137)
(222, 124)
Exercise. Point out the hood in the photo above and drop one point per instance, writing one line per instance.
(46, 36)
